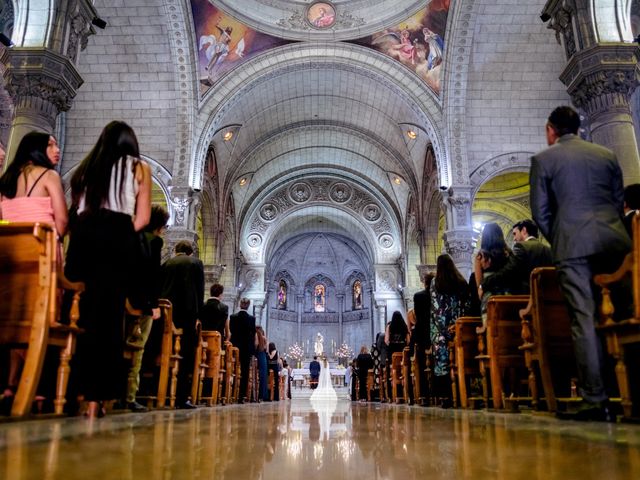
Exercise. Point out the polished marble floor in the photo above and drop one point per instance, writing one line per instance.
(298, 440)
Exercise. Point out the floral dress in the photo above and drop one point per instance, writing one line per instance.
(445, 309)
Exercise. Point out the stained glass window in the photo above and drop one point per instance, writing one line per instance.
(319, 298)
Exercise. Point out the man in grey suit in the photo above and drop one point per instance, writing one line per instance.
(576, 200)
(528, 253)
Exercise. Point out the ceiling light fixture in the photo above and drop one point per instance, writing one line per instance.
(243, 181)
(228, 136)
(411, 134)
(397, 180)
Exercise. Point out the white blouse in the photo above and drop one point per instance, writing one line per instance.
(127, 203)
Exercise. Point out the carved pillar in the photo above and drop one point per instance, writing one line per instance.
(40, 73)
(381, 306)
(259, 310)
(600, 81)
(459, 239)
(299, 308)
(601, 74)
(183, 211)
(340, 310)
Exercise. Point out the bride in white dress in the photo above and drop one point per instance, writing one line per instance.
(325, 391)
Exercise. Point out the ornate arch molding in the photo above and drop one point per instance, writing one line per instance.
(318, 278)
(181, 40)
(276, 136)
(287, 19)
(504, 163)
(222, 97)
(353, 276)
(266, 216)
(460, 33)
(283, 275)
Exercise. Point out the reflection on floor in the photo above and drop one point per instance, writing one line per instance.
(293, 440)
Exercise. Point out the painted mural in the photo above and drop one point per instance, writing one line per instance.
(224, 43)
(418, 42)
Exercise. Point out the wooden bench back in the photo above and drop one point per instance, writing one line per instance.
(28, 281)
(466, 342)
(551, 328)
(503, 323)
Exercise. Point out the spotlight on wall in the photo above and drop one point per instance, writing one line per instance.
(6, 41)
(98, 22)
(545, 17)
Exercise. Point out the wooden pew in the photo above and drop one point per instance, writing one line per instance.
(406, 375)
(499, 342)
(396, 378)
(209, 367)
(624, 334)
(464, 365)
(168, 360)
(30, 280)
(546, 333)
(416, 378)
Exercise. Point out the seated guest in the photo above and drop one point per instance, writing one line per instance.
(215, 314)
(493, 255)
(314, 372)
(364, 363)
(631, 205)
(449, 300)
(528, 253)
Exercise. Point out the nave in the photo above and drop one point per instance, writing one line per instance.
(293, 439)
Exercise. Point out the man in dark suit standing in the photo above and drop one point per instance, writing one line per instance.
(420, 335)
(243, 334)
(576, 200)
(528, 253)
(314, 372)
(183, 285)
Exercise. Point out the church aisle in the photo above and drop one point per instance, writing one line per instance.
(292, 440)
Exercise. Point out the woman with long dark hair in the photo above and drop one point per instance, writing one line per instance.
(261, 355)
(272, 361)
(30, 189)
(493, 255)
(396, 337)
(449, 300)
(111, 194)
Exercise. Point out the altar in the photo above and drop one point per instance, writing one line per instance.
(300, 377)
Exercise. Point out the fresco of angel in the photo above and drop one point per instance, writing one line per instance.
(217, 48)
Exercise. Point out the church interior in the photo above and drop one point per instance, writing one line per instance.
(321, 156)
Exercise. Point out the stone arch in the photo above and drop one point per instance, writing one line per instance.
(460, 33)
(222, 97)
(503, 163)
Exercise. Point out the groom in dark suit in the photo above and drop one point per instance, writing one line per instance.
(576, 200)
(243, 334)
(314, 372)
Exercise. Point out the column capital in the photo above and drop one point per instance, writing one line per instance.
(601, 78)
(40, 81)
(212, 273)
(185, 202)
(456, 201)
(424, 268)
(460, 245)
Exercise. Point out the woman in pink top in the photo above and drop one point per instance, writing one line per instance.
(30, 189)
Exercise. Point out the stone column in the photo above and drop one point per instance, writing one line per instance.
(40, 73)
(460, 238)
(601, 74)
(300, 307)
(259, 309)
(381, 306)
(184, 206)
(340, 310)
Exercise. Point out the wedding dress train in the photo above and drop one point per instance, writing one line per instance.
(325, 391)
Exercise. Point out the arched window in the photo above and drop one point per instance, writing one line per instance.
(319, 298)
(282, 295)
(357, 295)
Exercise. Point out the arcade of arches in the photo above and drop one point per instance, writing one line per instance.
(303, 155)
(322, 161)
(300, 153)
